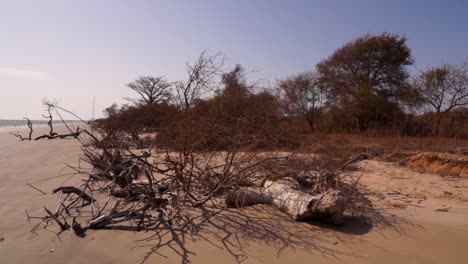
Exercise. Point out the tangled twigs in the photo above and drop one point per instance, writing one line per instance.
(77, 227)
(64, 226)
(49, 123)
(72, 189)
(168, 187)
(51, 135)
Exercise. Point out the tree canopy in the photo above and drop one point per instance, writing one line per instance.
(365, 73)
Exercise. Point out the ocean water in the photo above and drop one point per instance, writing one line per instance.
(12, 123)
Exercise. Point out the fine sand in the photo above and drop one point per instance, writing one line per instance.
(424, 220)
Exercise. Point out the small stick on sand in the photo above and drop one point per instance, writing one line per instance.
(30, 185)
(62, 225)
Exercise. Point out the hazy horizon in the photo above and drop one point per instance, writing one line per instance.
(77, 50)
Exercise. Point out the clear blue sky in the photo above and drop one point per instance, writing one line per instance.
(75, 50)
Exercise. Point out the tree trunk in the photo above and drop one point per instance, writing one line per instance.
(328, 206)
(435, 131)
(362, 124)
(310, 121)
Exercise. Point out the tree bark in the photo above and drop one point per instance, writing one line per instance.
(435, 131)
(328, 206)
(310, 120)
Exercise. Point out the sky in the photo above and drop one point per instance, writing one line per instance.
(75, 51)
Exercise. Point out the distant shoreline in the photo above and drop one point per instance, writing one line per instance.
(10, 125)
(13, 123)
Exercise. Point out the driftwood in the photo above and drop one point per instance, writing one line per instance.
(49, 123)
(79, 231)
(55, 135)
(51, 135)
(328, 206)
(35, 188)
(72, 189)
(30, 131)
(105, 219)
(63, 226)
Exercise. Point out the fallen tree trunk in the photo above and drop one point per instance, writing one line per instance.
(55, 135)
(328, 206)
(73, 135)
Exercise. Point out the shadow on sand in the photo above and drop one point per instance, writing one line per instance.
(232, 230)
(352, 225)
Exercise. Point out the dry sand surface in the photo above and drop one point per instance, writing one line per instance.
(425, 220)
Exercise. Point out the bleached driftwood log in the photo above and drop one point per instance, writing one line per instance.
(328, 206)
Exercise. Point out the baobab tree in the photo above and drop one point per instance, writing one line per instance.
(443, 89)
(151, 90)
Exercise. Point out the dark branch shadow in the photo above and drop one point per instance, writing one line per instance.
(352, 225)
(231, 230)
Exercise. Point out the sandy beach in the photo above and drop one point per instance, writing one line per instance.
(425, 221)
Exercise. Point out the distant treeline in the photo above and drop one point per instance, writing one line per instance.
(363, 87)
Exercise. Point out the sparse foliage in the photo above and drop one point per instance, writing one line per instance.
(151, 90)
(443, 89)
(302, 96)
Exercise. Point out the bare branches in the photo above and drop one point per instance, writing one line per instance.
(50, 104)
(63, 226)
(49, 116)
(302, 96)
(30, 127)
(201, 77)
(443, 88)
(72, 189)
(168, 188)
(56, 135)
(29, 124)
(21, 138)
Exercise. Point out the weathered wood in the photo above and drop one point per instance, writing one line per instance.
(35, 188)
(63, 226)
(72, 189)
(73, 135)
(328, 206)
(49, 123)
(30, 131)
(54, 135)
(79, 231)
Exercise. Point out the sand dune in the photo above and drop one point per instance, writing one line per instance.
(424, 221)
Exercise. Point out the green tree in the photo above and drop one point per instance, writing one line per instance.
(365, 73)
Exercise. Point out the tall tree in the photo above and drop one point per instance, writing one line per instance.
(443, 88)
(365, 73)
(301, 96)
(150, 89)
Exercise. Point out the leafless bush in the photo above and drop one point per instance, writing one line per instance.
(175, 189)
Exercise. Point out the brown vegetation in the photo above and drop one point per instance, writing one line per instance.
(214, 140)
(363, 87)
(184, 177)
